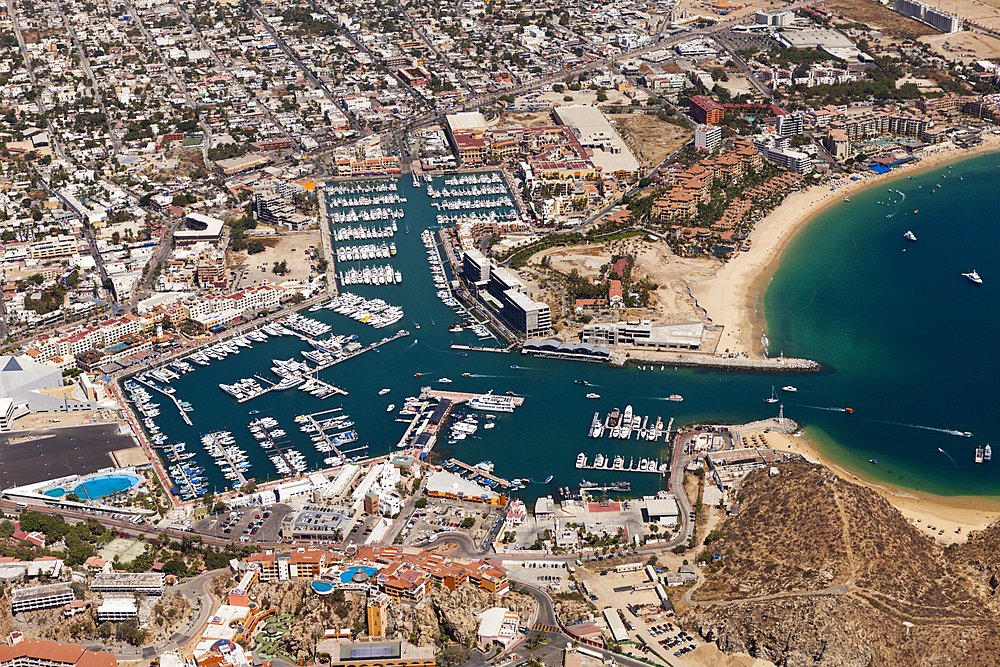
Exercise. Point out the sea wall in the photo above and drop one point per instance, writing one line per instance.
(728, 363)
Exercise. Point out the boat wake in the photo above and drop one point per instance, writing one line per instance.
(820, 407)
(949, 431)
(476, 375)
(949, 456)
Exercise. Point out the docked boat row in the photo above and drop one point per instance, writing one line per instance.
(475, 179)
(365, 215)
(371, 275)
(489, 189)
(362, 187)
(474, 475)
(306, 325)
(602, 462)
(625, 425)
(231, 459)
(358, 233)
(464, 204)
(243, 389)
(492, 216)
(362, 252)
(373, 312)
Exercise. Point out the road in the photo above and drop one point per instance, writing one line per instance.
(116, 141)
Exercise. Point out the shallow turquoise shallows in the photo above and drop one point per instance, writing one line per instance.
(908, 343)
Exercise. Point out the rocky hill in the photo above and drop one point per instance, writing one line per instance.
(816, 570)
(443, 617)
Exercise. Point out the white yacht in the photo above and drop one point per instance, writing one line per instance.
(974, 277)
(910, 236)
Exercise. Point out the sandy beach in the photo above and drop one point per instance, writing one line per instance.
(730, 297)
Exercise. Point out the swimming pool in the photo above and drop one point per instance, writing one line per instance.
(98, 486)
(348, 575)
(322, 587)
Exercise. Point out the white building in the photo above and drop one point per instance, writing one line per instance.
(708, 138)
(117, 610)
(41, 597)
(497, 627)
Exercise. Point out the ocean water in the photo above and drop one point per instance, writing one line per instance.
(908, 343)
(911, 343)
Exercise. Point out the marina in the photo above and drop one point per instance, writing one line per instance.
(602, 462)
(478, 472)
(624, 425)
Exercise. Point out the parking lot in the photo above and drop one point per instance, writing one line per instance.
(250, 524)
(440, 517)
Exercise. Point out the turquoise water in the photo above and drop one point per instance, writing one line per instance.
(98, 487)
(348, 575)
(911, 342)
(907, 342)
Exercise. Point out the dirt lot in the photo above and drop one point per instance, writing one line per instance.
(711, 8)
(984, 13)
(672, 274)
(967, 46)
(877, 16)
(533, 119)
(650, 138)
(291, 247)
(922, 84)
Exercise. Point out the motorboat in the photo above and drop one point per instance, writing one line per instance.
(383, 392)
(675, 397)
(974, 277)
(987, 453)
(980, 455)
(789, 388)
(390, 407)
(910, 236)
(593, 395)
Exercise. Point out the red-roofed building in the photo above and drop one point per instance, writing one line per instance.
(41, 653)
(706, 110)
(615, 293)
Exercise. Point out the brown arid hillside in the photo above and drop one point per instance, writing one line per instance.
(819, 571)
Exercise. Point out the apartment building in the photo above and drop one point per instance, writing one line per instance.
(147, 583)
(506, 296)
(41, 597)
(21, 652)
(63, 245)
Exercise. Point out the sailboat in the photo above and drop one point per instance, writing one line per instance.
(773, 398)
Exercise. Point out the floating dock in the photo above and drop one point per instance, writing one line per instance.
(632, 466)
(187, 420)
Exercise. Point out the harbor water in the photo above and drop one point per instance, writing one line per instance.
(846, 294)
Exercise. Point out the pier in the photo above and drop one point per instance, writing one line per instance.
(320, 426)
(187, 420)
(350, 355)
(480, 348)
(328, 253)
(458, 397)
(479, 472)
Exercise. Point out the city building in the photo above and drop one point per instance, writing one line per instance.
(378, 615)
(41, 597)
(35, 387)
(705, 110)
(361, 653)
(707, 138)
(199, 227)
(645, 334)
(505, 295)
(789, 125)
(19, 652)
(497, 627)
(607, 149)
(936, 18)
(274, 208)
(118, 609)
(774, 19)
(62, 245)
(147, 583)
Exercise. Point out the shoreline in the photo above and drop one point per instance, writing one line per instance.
(730, 298)
(946, 519)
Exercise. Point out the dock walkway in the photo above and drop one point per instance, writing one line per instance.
(482, 473)
(459, 397)
(187, 420)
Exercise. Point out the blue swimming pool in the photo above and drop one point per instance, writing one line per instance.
(348, 574)
(322, 587)
(98, 487)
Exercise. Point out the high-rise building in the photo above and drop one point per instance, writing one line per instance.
(707, 138)
(789, 125)
(378, 615)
